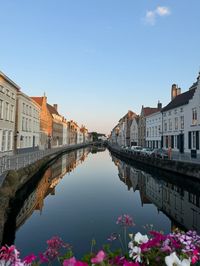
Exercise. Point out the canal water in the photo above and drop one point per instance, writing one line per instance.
(80, 197)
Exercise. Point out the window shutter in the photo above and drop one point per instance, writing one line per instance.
(189, 140)
(197, 140)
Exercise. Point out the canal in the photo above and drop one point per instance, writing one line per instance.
(80, 196)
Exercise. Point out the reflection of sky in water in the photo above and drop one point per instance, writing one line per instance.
(86, 205)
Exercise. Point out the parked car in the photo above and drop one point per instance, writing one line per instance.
(159, 153)
(146, 151)
(136, 149)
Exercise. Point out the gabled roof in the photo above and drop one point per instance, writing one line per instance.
(149, 110)
(10, 81)
(38, 100)
(181, 99)
(128, 114)
(51, 109)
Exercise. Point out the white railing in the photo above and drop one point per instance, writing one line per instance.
(15, 162)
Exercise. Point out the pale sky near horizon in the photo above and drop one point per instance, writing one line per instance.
(97, 59)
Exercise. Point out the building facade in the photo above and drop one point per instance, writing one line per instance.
(154, 130)
(27, 123)
(8, 102)
(145, 111)
(134, 131)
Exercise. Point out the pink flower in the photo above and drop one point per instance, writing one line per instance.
(73, 262)
(125, 220)
(43, 258)
(99, 257)
(29, 259)
(69, 262)
(195, 257)
(56, 243)
(11, 255)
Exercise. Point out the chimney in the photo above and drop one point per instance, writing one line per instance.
(55, 106)
(178, 91)
(159, 106)
(173, 91)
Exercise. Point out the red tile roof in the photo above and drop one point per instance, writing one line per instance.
(38, 100)
(149, 110)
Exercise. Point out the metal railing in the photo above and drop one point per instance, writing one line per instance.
(15, 162)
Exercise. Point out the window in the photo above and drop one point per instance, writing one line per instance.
(30, 111)
(175, 111)
(182, 122)
(1, 109)
(12, 113)
(165, 126)
(169, 113)
(170, 124)
(26, 124)
(176, 123)
(193, 140)
(1, 89)
(9, 141)
(4, 140)
(194, 116)
(7, 111)
(181, 109)
(23, 124)
(24, 107)
(29, 124)
(13, 96)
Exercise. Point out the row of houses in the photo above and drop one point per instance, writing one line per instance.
(29, 123)
(175, 126)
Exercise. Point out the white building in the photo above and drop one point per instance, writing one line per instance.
(181, 122)
(79, 135)
(192, 122)
(134, 131)
(153, 130)
(27, 123)
(8, 96)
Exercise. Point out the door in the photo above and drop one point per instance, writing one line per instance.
(181, 143)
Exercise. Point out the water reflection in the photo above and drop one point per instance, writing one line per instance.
(180, 204)
(26, 202)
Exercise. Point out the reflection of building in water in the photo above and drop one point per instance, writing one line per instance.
(124, 171)
(35, 200)
(182, 207)
(46, 186)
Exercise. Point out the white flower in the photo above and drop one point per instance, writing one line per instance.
(173, 260)
(135, 253)
(139, 238)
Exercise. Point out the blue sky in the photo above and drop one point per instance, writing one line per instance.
(99, 58)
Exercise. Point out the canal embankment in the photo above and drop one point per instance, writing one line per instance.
(187, 169)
